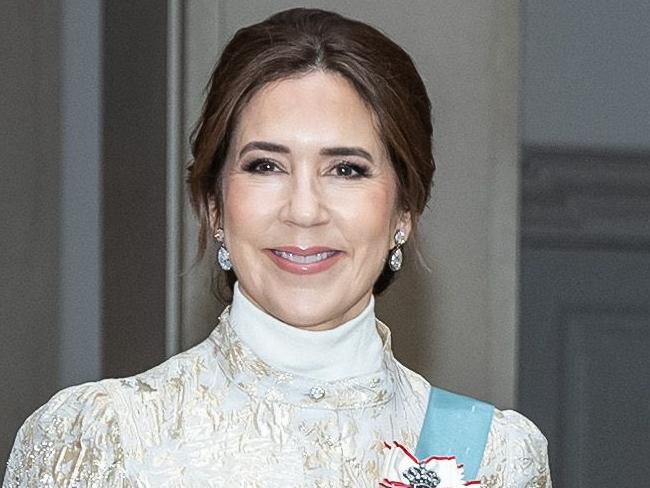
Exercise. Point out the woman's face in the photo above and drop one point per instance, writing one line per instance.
(309, 201)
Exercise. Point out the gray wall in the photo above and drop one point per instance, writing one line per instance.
(586, 71)
(82, 195)
(30, 186)
(134, 186)
(585, 258)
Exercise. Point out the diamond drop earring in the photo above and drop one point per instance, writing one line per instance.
(396, 256)
(223, 256)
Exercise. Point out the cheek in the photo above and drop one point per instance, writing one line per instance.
(246, 209)
(369, 218)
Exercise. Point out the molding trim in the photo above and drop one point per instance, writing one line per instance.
(585, 198)
(174, 175)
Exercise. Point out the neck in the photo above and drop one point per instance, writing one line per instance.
(353, 348)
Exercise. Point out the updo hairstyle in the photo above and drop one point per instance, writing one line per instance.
(293, 43)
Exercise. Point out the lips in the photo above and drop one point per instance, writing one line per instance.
(304, 261)
(308, 259)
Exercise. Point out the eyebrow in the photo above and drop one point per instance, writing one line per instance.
(326, 151)
(346, 151)
(264, 146)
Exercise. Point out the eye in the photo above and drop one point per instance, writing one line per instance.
(261, 166)
(347, 169)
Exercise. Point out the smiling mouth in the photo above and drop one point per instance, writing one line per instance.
(304, 259)
(309, 261)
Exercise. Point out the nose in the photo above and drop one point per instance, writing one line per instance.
(305, 204)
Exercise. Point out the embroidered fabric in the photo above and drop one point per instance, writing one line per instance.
(217, 415)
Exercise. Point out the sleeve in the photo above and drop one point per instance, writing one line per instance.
(516, 454)
(72, 440)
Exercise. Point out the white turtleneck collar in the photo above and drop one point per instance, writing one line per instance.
(351, 349)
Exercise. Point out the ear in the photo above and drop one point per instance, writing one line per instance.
(405, 223)
(213, 214)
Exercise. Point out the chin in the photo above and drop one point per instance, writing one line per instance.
(306, 301)
(304, 312)
(308, 313)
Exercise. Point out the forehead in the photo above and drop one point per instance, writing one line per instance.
(319, 107)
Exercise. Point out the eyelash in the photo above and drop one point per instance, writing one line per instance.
(255, 166)
(360, 171)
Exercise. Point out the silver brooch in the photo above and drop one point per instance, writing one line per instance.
(421, 477)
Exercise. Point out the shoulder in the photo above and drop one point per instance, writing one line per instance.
(73, 438)
(516, 453)
(149, 403)
(511, 429)
(165, 381)
(413, 385)
(80, 436)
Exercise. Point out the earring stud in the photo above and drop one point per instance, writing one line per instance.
(223, 255)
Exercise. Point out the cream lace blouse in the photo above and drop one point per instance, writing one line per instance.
(217, 415)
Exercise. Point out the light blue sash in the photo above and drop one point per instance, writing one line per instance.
(455, 425)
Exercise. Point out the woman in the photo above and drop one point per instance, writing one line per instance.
(311, 164)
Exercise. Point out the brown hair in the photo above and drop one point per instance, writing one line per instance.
(295, 42)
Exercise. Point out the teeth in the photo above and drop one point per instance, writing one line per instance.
(310, 259)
